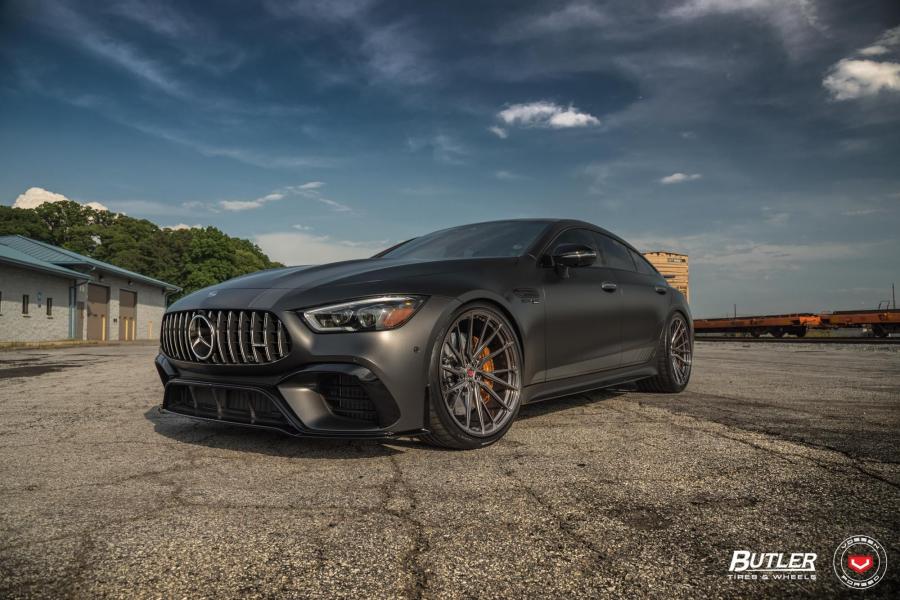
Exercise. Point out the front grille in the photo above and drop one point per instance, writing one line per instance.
(224, 337)
(346, 397)
(225, 404)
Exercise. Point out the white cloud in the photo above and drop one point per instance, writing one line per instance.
(35, 196)
(792, 18)
(884, 44)
(444, 148)
(312, 185)
(546, 114)
(578, 15)
(499, 132)
(852, 78)
(508, 176)
(239, 205)
(297, 248)
(308, 190)
(181, 226)
(876, 50)
(679, 178)
(775, 219)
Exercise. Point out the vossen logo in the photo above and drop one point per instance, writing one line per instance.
(746, 565)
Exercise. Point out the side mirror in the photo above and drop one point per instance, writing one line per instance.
(574, 255)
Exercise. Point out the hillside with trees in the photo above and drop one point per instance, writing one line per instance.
(189, 258)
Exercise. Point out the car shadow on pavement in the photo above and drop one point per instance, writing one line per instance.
(547, 407)
(271, 442)
(261, 441)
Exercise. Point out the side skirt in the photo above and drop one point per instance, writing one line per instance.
(585, 383)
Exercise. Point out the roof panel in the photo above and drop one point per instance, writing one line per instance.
(12, 256)
(60, 256)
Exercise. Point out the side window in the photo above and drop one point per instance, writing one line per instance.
(642, 265)
(583, 237)
(617, 255)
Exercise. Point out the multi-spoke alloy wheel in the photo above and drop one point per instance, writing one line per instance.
(674, 358)
(480, 379)
(680, 350)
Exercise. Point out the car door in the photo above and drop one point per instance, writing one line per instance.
(645, 300)
(582, 312)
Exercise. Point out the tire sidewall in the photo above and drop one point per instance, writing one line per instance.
(435, 396)
(672, 382)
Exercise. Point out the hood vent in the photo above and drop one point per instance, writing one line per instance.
(224, 337)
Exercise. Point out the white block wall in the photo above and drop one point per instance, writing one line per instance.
(36, 326)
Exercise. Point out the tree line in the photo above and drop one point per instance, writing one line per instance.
(189, 258)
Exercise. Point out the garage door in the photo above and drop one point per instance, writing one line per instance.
(127, 315)
(97, 311)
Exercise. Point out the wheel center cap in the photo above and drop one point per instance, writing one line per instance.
(470, 373)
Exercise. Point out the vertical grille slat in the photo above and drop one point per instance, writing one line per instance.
(260, 337)
(280, 339)
(219, 333)
(266, 337)
(253, 337)
(176, 337)
(229, 330)
(187, 334)
(240, 336)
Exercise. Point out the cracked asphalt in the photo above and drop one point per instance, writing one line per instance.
(773, 448)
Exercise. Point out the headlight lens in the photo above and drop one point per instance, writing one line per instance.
(368, 314)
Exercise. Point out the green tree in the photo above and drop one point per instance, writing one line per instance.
(189, 258)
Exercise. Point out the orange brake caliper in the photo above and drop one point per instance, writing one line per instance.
(487, 367)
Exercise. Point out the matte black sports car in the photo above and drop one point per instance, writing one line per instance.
(444, 336)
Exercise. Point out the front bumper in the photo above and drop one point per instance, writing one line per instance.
(360, 385)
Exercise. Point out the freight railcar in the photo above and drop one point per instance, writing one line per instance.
(778, 325)
(881, 322)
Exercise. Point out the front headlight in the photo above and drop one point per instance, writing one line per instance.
(367, 314)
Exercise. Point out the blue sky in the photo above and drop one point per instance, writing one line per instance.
(762, 137)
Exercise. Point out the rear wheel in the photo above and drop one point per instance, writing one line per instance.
(674, 358)
(475, 381)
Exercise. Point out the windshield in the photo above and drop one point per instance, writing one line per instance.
(482, 240)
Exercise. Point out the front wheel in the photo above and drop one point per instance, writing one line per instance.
(475, 380)
(674, 358)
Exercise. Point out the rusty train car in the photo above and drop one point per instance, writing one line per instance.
(880, 322)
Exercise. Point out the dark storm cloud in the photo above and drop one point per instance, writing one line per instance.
(756, 129)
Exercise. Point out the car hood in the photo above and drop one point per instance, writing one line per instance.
(336, 280)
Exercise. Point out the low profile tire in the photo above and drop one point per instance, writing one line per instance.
(674, 358)
(475, 380)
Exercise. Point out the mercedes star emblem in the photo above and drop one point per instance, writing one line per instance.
(202, 336)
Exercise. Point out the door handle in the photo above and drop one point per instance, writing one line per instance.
(661, 290)
(608, 286)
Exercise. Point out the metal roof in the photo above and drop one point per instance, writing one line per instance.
(20, 259)
(48, 253)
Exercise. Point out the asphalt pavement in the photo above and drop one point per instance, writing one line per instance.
(773, 448)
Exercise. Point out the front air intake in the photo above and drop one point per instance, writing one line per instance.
(224, 337)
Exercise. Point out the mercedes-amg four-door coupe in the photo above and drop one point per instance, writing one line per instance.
(444, 336)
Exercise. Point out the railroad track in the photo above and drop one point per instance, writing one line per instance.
(804, 340)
